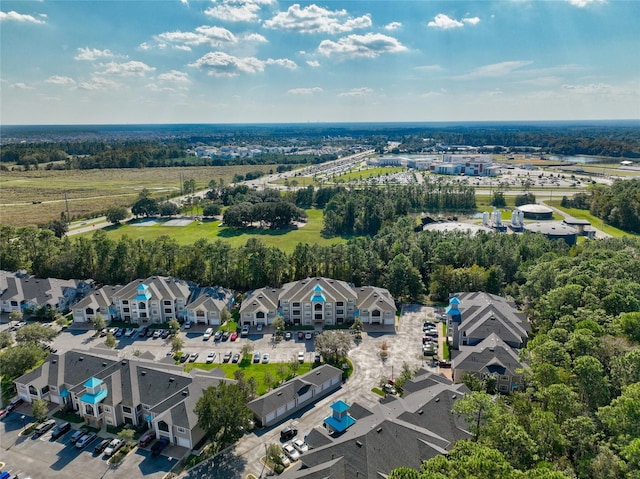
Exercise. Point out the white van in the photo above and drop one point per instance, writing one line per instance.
(207, 334)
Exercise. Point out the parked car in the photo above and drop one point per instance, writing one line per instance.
(285, 460)
(187, 324)
(86, 440)
(288, 433)
(119, 332)
(15, 402)
(265, 358)
(184, 357)
(291, 452)
(300, 335)
(113, 447)
(233, 336)
(159, 445)
(300, 445)
(217, 336)
(235, 358)
(165, 333)
(150, 333)
(211, 356)
(207, 334)
(60, 430)
(44, 427)
(3, 413)
(157, 333)
(142, 331)
(308, 335)
(227, 357)
(245, 331)
(101, 446)
(77, 435)
(288, 335)
(301, 356)
(112, 331)
(128, 333)
(259, 327)
(256, 357)
(225, 335)
(193, 357)
(147, 438)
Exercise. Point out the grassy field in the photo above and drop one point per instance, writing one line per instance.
(595, 221)
(368, 173)
(255, 370)
(91, 191)
(284, 239)
(301, 181)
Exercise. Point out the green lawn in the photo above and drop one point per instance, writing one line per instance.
(368, 173)
(595, 221)
(300, 181)
(255, 370)
(284, 239)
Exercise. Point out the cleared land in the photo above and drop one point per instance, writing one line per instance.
(595, 221)
(368, 173)
(92, 191)
(284, 239)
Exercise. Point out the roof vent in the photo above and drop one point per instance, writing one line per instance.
(143, 373)
(104, 365)
(454, 397)
(358, 443)
(279, 393)
(421, 412)
(54, 361)
(438, 399)
(172, 379)
(124, 363)
(81, 358)
(379, 430)
(185, 393)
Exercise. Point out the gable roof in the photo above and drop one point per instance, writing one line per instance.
(154, 287)
(492, 355)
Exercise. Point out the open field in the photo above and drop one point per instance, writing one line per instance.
(368, 173)
(284, 239)
(91, 191)
(301, 181)
(595, 221)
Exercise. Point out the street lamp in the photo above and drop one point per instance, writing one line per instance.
(23, 417)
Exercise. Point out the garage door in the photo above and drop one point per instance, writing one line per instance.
(183, 442)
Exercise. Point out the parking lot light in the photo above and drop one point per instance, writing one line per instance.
(23, 417)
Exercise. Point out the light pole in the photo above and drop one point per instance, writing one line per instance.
(23, 417)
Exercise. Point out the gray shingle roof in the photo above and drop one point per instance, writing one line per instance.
(491, 355)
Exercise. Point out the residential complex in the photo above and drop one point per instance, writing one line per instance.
(445, 164)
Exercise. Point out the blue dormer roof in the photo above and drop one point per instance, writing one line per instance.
(317, 289)
(318, 298)
(94, 398)
(340, 407)
(454, 300)
(92, 383)
(143, 293)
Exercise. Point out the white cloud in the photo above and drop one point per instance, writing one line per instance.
(203, 35)
(393, 26)
(445, 22)
(494, 70)
(357, 92)
(254, 37)
(174, 76)
(313, 63)
(60, 80)
(98, 83)
(369, 45)
(589, 88)
(13, 16)
(315, 19)
(157, 88)
(584, 3)
(429, 68)
(224, 65)
(21, 86)
(305, 91)
(127, 69)
(91, 54)
(232, 13)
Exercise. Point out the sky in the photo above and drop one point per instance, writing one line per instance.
(269, 61)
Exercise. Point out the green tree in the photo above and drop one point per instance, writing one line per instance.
(333, 346)
(98, 321)
(116, 214)
(110, 341)
(279, 325)
(223, 414)
(6, 339)
(269, 380)
(145, 205)
(36, 334)
(127, 435)
(247, 348)
(39, 409)
(17, 360)
(294, 365)
(282, 371)
(477, 408)
(173, 325)
(402, 279)
(177, 343)
(15, 315)
(622, 416)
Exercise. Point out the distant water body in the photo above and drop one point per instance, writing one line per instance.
(582, 159)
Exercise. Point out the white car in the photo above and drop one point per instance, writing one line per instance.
(285, 460)
(291, 452)
(259, 327)
(301, 356)
(265, 358)
(211, 356)
(207, 334)
(187, 325)
(129, 332)
(113, 447)
(300, 445)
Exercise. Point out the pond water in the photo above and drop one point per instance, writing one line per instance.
(574, 159)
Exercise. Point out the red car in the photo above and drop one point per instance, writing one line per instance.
(233, 336)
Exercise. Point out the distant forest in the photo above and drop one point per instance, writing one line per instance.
(70, 149)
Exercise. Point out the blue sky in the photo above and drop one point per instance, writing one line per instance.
(253, 61)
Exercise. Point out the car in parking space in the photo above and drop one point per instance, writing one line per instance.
(207, 334)
(86, 440)
(225, 335)
(256, 357)
(259, 327)
(159, 445)
(288, 432)
(128, 332)
(142, 331)
(184, 357)
(245, 331)
(301, 356)
(300, 445)
(187, 324)
(288, 335)
(211, 356)
(300, 335)
(291, 452)
(193, 357)
(265, 358)
(235, 358)
(308, 335)
(285, 460)
(44, 427)
(77, 435)
(149, 333)
(112, 331)
(227, 357)
(119, 332)
(15, 402)
(217, 336)
(233, 336)
(101, 446)
(165, 333)
(147, 438)
(113, 447)
(157, 333)
(60, 430)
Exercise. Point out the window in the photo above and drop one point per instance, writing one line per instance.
(33, 391)
(167, 310)
(296, 305)
(88, 311)
(296, 312)
(126, 310)
(53, 388)
(127, 318)
(44, 390)
(142, 306)
(126, 409)
(88, 409)
(317, 307)
(146, 408)
(340, 311)
(124, 301)
(340, 303)
(14, 303)
(163, 426)
(181, 430)
(376, 313)
(260, 314)
(200, 314)
(107, 409)
(143, 315)
(109, 421)
(139, 407)
(167, 303)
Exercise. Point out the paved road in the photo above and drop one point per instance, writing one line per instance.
(404, 346)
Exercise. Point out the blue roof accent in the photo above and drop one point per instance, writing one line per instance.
(92, 383)
(318, 298)
(340, 406)
(94, 398)
(454, 300)
(318, 288)
(148, 417)
(340, 425)
(143, 293)
(64, 393)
